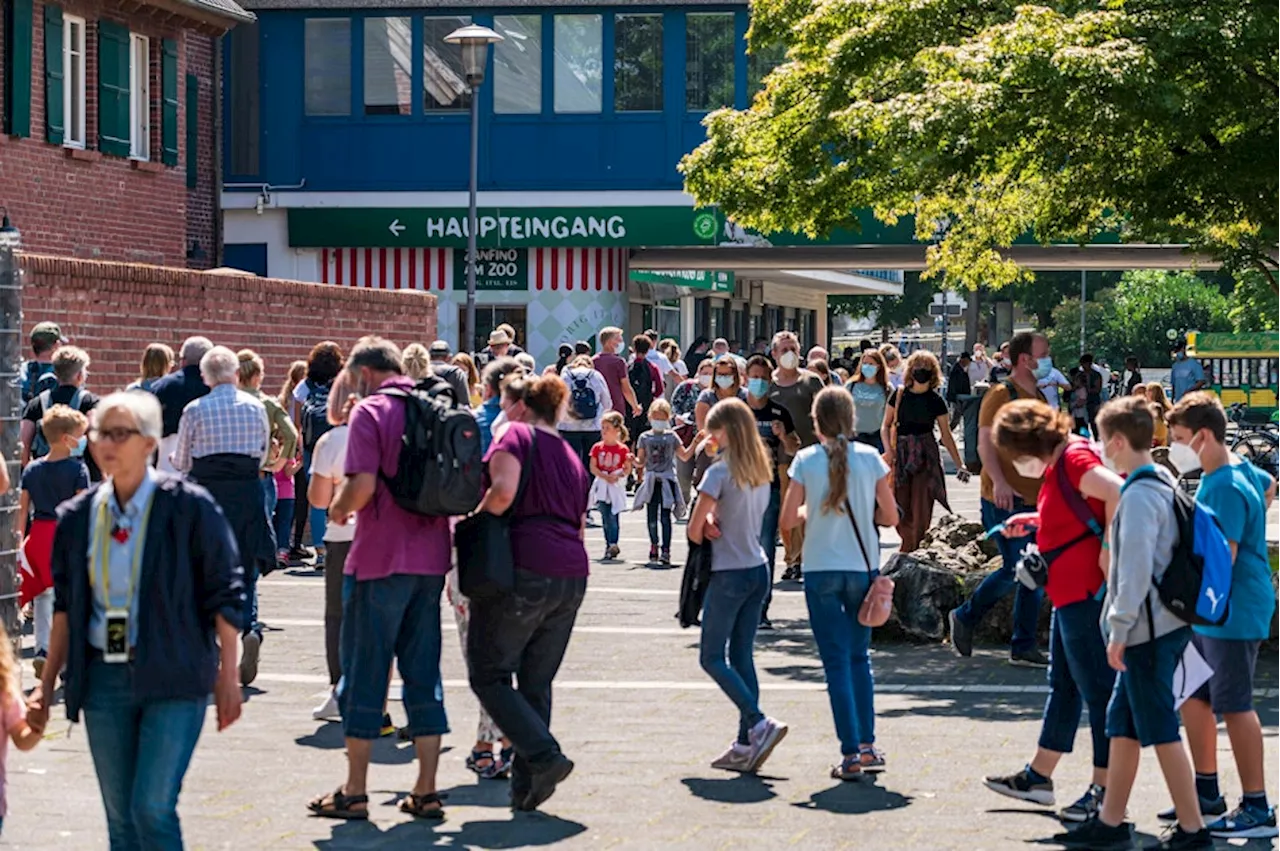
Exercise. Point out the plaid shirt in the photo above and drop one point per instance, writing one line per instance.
(228, 420)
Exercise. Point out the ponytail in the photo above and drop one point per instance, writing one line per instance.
(837, 475)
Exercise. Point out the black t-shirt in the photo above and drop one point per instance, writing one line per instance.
(62, 395)
(49, 483)
(918, 412)
(765, 418)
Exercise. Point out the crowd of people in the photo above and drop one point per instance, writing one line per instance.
(194, 465)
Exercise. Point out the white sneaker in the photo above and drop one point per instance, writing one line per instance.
(736, 758)
(764, 737)
(328, 711)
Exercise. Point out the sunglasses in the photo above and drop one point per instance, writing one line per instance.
(112, 435)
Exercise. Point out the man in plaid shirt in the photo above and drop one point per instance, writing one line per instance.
(222, 440)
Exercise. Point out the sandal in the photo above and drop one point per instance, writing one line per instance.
(848, 769)
(481, 762)
(337, 805)
(505, 756)
(871, 759)
(419, 806)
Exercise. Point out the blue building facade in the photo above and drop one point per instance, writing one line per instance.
(346, 151)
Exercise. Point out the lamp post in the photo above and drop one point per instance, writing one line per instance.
(475, 41)
(10, 413)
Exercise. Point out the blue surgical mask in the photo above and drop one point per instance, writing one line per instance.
(1043, 367)
(78, 450)
(724, 381)
(758, 387)
(869, 370)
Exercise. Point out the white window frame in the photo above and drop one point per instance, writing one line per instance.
(73, 67)
(139, 98)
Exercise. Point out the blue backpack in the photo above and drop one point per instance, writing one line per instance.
(1196, 585)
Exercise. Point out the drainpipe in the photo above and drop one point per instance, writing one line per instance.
(216, 130)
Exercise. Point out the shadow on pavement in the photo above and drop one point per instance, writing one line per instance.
(486, 793)
(983, 707)
(520, 831)
(386, 751)
(855, 798)
(1140, 839)
(743, 789)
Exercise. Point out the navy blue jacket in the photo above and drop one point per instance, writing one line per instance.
(174, 391)
(190, 573)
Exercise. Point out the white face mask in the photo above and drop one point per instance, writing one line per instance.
(1108, 461)
(724, 381)
(705, 380)
(788, 360)
(1030, 468)
(1182, 456)
(660, 425)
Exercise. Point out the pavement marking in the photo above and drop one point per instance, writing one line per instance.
(663, 592)
(589, 630)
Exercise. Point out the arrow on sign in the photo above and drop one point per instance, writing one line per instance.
(395, 227)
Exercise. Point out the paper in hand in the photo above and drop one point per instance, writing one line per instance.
(1192, 672)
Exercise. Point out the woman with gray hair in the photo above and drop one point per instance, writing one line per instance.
(146, 575)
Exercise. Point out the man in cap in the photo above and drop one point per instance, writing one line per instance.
(37, 374)
(440, 353)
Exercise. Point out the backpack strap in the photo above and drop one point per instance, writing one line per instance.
(1075, 500)
(46, 399)
(74, 404)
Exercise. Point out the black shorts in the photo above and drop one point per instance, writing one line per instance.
(1230, 689)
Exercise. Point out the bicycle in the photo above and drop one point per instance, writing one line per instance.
(1256, 442)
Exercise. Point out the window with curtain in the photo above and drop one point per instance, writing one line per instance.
(637, 63)
(709, 46)
(388, 66)
(517, 65)
(444, 80)
(327, 66)
(579, 47)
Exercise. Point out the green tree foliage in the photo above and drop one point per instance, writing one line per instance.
(987, 121)
(1254, 305)
(1064, 335)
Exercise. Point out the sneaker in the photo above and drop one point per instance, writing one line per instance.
(612, 551)
(793, 573)
(764, 737)
(848, 769)
(1022, 787)
(1086, 807)
(653, 554)
(1210, 809)
(736, 758)
(961, 635)
(666, 557)
(319, 562)
(299, 555)
(388, 726)
(766, 624)
(252, 649)
(543, 783)
(38, 663)
(328, 711)
(1181, 840)
(1245, 822)
(1032, 658)
(1097, 836)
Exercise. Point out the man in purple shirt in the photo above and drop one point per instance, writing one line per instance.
(614, 369)
(394, 577)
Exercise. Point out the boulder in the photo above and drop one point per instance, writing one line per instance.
(952, 531)
(924, 592)
(996, 627)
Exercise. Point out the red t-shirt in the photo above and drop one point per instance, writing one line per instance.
(1074, 575)
(614, 371)
(610, 459)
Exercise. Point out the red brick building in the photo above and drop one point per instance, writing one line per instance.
(110, 119)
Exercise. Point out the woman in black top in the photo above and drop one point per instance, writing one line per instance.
(909, 420)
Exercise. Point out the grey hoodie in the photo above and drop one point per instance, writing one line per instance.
(1144, 533)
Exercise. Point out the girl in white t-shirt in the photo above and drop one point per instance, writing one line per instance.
(327, 475)
(13, 716)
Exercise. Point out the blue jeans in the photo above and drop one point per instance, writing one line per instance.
(834, 597)
(268, 483)
(317, 516)
(393, 618)
(140, 753)
(730, 616)
(1026, 605)
(1078, 676)
(283, 521)
(769, 538)
(609, 521)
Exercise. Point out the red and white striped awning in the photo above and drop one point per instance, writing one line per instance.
(387, 268)
(554, 269)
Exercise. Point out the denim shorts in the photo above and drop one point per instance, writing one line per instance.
(1141, 705)
(384, 619)
(1230, 689)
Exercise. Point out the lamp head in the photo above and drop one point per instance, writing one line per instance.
(474, 40)
(9, 236)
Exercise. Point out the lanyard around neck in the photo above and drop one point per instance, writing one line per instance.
(102, 546)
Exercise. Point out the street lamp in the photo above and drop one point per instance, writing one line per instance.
(9, 236)
(474, 40)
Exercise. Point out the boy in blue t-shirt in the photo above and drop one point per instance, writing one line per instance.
(47, 482)
(1239, 494)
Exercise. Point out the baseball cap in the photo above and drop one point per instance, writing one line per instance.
(47, 332)
(439, 349)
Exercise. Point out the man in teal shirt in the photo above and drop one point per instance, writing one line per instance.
(1187, 375)
(1239, 494)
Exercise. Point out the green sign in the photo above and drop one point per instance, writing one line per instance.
(498, 269)
(1248, 344)
(699, 279)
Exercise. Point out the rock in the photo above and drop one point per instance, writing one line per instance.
(996, 627)
(924, 592)
(952, 531)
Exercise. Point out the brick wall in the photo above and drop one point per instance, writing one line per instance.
(83, 204)
(113, 310)
(201, 201)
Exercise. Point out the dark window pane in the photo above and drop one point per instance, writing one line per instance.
(443, 78)
(637, 63)
(709, 46)
(244, 107)
(327, 66)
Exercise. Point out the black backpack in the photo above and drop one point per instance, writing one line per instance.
(438, 473)
(641, 378)
(582, 397)
(315, 414)
(39, 444)
(39, 377)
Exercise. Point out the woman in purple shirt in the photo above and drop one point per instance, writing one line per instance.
(526, 632)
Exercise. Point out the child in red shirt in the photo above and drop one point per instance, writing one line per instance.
(610, 464)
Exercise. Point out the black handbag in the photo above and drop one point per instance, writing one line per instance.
(486, 563)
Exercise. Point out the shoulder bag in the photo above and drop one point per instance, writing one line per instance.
(486, 563)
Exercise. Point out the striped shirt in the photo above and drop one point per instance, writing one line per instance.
(228, 420)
